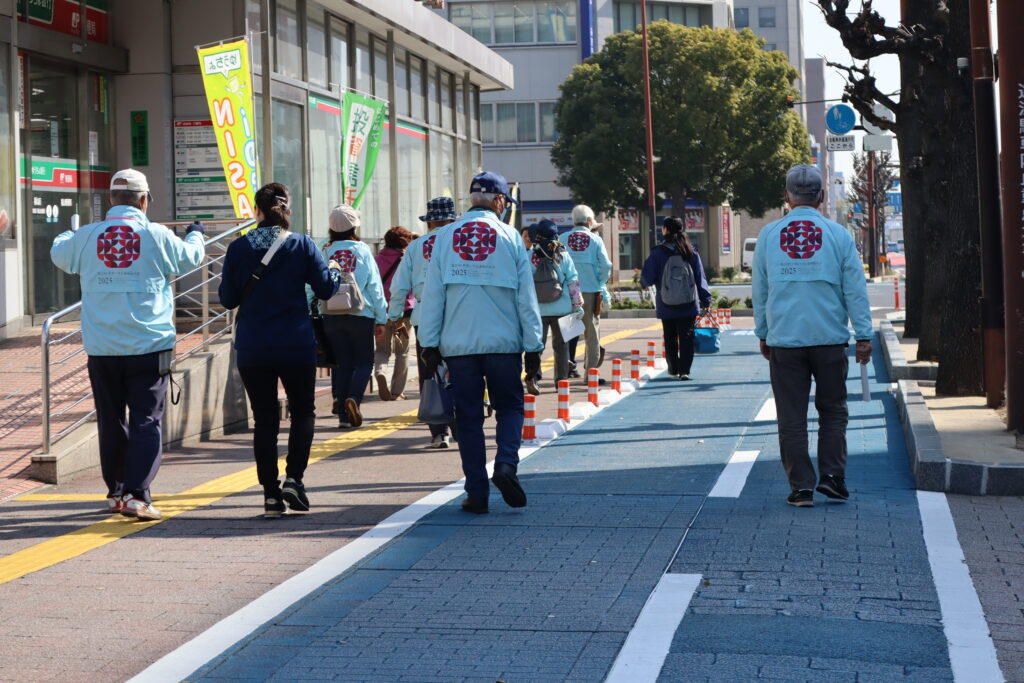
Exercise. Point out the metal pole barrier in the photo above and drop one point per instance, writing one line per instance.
(872, 227)
(992, 326)
(1010, 21)
(45, 394)
(206, 301)
(652, 211)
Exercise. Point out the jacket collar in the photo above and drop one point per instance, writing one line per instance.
(126, 211)
(805, 210)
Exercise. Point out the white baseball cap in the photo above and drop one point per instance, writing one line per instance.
(129, 179)
(344, 218)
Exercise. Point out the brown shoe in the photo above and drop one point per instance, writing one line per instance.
(382, 388)
(355, 418)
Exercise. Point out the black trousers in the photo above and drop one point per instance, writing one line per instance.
(261, 386)
(678, 344)
(129, 395)
(791, 371)
(352, 340)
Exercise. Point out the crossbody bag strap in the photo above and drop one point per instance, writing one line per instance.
(261, 267)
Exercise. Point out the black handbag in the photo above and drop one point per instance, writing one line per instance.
(324, 350)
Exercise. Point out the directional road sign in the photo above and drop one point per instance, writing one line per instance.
(840, 143)
(877, 143)
(840, 119)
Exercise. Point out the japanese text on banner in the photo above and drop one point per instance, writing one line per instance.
(364, 124)
(227, 81)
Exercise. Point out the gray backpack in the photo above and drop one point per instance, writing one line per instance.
(678, 286)
(546, 280)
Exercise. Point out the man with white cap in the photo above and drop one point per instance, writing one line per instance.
(594, 267)
(124, 263)
(807, 284)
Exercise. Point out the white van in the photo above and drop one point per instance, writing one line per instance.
(747, 260)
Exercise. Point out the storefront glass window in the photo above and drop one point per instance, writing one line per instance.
(433, 96)
(380, 68)
(460, 107)
(418, 105)
(447, 113)
(252, 27)
(364, 77)
(339, 54)
(316, 40)
(289, 158)
(288, 39)
(556, 22)
(412, 170)
(401, 82)
(376, 203)
(325, 161)
(7, 214)
(442, 165)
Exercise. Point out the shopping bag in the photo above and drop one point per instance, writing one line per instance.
(571, 326)
(705, 340)
(324, 350)
(436, 404)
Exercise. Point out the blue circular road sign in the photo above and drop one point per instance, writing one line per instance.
(840, 119)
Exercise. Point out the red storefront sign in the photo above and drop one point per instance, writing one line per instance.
(726, 230)
(66, 16)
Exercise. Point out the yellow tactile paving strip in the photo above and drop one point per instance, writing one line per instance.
(72, 544)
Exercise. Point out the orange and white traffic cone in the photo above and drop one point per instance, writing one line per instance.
(896, 287)
(634, 364)
(563, 400)
(593, 382)
(650, 354)
(529, 417)
(617, 375)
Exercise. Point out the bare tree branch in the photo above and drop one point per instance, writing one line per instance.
(863, 93)
(867, 35)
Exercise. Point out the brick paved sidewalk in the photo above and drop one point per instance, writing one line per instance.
(169, 582)
(838, 592)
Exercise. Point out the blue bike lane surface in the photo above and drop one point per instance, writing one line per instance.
(550, 592)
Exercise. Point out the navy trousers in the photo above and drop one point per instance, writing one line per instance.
(352, 340)
(129, 395)
(503, 376)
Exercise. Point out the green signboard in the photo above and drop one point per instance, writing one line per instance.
(140, 138)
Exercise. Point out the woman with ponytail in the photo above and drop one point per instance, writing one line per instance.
(677, 319)
(274, 338)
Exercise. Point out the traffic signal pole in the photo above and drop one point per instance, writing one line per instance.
(872, 219)
(1010, 23)
(992, 327)
(652, 211)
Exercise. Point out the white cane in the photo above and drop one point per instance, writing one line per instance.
(864, 381)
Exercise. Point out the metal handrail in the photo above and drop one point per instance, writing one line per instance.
(48, 437)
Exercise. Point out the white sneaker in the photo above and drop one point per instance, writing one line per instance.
(439, 441)
(140, 509)
(115, 504)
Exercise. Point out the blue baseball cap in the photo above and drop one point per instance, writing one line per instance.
(491, 183)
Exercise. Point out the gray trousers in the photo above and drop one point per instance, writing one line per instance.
(558, 345)
(791, 372)
(592, 329)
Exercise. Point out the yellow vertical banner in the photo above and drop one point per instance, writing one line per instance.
(228, 84)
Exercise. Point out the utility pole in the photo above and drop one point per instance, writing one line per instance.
(992, 327)
(1010, 24)
(872, 219)
(652, 211)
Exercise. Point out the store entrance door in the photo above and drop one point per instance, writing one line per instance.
(63, 169)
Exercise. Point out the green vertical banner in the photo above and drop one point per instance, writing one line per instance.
(140, 138)
(363, 117)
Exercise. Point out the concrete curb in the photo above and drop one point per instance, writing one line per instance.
(896, 363)
(933, 471)
(649, 313)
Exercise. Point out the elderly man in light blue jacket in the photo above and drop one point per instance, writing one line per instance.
(479, 314)
(124, 263)
(808, 283)
(594, 267)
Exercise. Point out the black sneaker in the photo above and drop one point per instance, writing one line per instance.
(804, 498)
(833, 487)
(336, 407)
(508, 483)
(294, 493)
(273, 508)
(573, 374)
(683, 378)
(477, 506)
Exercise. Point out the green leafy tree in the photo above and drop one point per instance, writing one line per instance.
(722, 128)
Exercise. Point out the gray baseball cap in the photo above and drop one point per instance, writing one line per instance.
(803, 181)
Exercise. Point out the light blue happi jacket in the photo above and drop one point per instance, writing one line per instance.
(124, 264)
(411, 274)
(590, 257)
(808, 283)
(478, 296)
(356, 257)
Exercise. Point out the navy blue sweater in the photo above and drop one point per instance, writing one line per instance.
(273, 326)
(651, 275)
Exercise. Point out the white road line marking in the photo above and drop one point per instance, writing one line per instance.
(206, 646)
(767, 412)
(972, 655)
(643, 654)
(732, 479)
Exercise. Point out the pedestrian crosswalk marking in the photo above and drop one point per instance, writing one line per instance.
(647, 645)
(767, 412)
(732, 479)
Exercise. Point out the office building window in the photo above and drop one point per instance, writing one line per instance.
(547, 121)
(474, 112)
(487, 123)
(741, 17)
(380, 68)
(364, 74)
(447, 111)
(339, 54)
(288, 39)
(252, 28)
(433, 96)
(511, 123)
(766, 17)
(316, 45)
(769, 47)
(401, 82)
(418, 105)
(627, 14)
(523, 21)
(526, 122)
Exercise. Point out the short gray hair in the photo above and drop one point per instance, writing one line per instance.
(476, 198)
(127, 198)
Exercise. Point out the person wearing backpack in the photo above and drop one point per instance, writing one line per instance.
(354, 316)
(675, 270)
(557, 285)
(274, 338)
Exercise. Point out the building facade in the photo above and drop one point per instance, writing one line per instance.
(87, 87)
(544, 40)
(779, 22)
